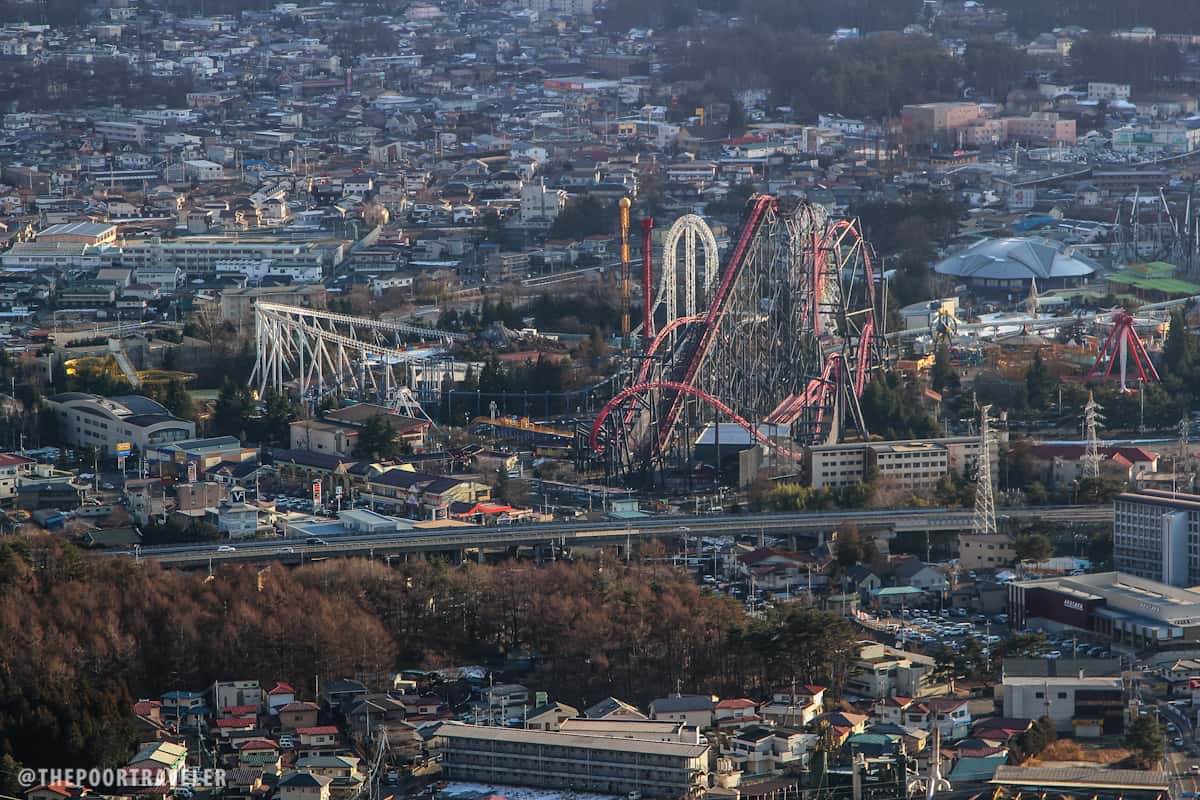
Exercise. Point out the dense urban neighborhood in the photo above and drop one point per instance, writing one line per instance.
(599, 400)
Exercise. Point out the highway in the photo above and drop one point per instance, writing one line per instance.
(458, 539)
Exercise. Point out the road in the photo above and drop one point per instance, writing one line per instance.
(456, 540)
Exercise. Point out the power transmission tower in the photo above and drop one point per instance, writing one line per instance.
(985, 501)
(1091, 420)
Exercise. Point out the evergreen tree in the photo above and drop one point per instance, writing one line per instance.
(1038, 383)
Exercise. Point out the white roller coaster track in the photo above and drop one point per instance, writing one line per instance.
(325, 352)
(689, 228)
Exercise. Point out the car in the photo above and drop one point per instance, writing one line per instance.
(288, 550)
(1194, 769)
(108, 485)
(1177, 741)
(226, 548)
(1053, 654)
(315, 541)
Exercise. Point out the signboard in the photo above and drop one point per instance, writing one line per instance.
(124, 449)
(191, 471)
(316, 493)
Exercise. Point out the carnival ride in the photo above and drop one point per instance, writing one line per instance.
(779, 339)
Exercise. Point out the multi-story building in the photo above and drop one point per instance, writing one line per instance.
(1092, 701)
(933, 123)
(124, 132)
(1156, 535)
(540, 205)
(88, 420)
(985, 551)
(910, 463)
(198, 256)
(881, 671)
(1108, 92)
(1164, 140)
(547, 759)
(237, 305)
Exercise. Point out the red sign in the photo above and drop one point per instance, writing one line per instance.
(316, 493)
(1194, 683)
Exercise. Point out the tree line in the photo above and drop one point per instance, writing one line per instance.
(84, 637)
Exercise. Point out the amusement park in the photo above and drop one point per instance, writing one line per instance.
(767, 335)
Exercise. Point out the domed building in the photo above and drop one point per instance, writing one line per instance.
(1006, 266)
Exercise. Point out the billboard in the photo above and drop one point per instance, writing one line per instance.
(316, 493)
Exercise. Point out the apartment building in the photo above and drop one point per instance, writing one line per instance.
(553, 760)
(880, 671)
(123, 132)
(912, 464)
(985, 551)
(1156, 535)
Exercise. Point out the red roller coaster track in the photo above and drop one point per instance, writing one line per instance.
(796, 316)
(682, 388)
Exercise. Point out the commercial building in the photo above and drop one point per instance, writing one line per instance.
(1000, 266)
(1128, 610)
(547, 759)
(88, 420)
(1074, 702)
(1156, 535)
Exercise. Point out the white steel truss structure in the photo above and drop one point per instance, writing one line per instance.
(322, 353)
(690, 229)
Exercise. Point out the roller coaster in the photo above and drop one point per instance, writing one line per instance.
(780, 337)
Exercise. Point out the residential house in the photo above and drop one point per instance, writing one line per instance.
(918, 575)
(611, 707)
(422, 707)
(795, 707)
(258, 753)
(57, 790)
(881, 671)
(298, 715)
(694, 709)
(890, 710)
(950, 716)
(340, 695)
(303, 786)
(506, 698)
(760, 748)
(372, 711)
(227, 694)
(280, 695)
(549, 717)
(317, 737)
(158, 761)
(735, 711)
